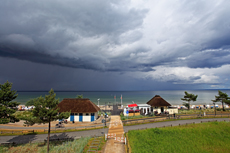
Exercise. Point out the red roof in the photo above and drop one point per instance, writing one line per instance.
(132, 105)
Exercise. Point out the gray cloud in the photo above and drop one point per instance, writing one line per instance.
(50, 33)
(108, 37)
(209, 58)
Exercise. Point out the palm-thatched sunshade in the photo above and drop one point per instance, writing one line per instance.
(158, 101)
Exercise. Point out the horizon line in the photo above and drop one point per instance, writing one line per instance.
(111, 90)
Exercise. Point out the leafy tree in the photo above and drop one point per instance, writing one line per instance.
(79, 96)
(227, 102)
(46, 111)
(189, 97)
(7, 107)
(186, 104)
(27, 116)
(222, 97)
(31, 102)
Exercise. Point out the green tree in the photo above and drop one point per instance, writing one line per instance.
(186, 104)
(31, 102)
(222, 97)
(79, 96)
(189, 97)
(46, 111)
(7, 106)
(227, 102)
(27, 116)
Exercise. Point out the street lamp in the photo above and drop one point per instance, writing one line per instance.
(98, 101)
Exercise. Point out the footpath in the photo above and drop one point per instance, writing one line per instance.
(115, 131)
(115, 127)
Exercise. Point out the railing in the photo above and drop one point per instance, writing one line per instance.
(154, 119)
(54, 130)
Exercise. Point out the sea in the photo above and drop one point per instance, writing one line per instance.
(205, 97)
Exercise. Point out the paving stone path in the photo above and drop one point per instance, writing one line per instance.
(115, 130)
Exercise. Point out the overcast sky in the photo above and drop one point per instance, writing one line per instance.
(115, 45)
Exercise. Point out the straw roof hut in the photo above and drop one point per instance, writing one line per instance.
(76, 105)
(158, 101)
(81, 109)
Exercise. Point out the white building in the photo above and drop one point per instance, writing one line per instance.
(144, 108)
(82, 110)
(161, 106)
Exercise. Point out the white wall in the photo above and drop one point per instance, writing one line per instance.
(85, 118)
(170, 110)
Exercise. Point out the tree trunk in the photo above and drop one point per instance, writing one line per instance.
(188, 105)
(223, 105)
(48, 139)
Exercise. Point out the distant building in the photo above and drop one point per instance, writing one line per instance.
(144, 109)
(82, 110)
(160, 105)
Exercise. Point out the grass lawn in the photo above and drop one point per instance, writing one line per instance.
(76, 146)
(207, 111)
(194, 138)
(133, 117)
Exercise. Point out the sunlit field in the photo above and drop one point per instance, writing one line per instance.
(194, 138)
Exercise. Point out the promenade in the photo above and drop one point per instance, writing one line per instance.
(98, 132)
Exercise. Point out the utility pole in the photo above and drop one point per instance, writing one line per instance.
(121, 100)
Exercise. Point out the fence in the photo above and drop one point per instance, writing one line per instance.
(52, 130)
(154, 119)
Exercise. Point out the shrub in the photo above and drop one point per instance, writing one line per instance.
(4, 120)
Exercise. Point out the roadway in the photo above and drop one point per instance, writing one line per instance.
(98, 132)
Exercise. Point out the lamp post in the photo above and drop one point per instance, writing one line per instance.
(98, 101)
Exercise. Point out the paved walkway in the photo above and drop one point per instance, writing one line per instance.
(98, 132)
(115, 129)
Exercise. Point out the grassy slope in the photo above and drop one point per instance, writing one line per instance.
(205, 137)
(55, 147)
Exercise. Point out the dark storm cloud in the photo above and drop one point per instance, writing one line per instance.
(110, 36)
(49, 32)
(137, 43)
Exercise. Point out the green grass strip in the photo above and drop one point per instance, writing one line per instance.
(211, 137)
